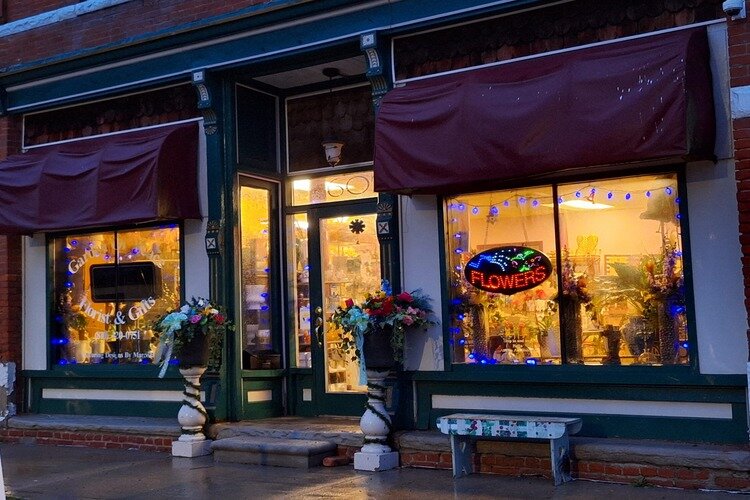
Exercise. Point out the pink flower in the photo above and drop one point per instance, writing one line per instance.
(408, 320)
(195, 318)
(404, 297)
(349, 303)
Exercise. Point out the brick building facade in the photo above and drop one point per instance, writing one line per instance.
(250, 74)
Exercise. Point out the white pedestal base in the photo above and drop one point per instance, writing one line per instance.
(191, 448)
(375, 455)
(375, 461)
(192, 417)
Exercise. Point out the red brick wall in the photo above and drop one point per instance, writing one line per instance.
(627, 473)
(739, 75)
(20, 9)
(10, 299)
(88, 439)
(109, 25)
(10, 135)
(10, 262)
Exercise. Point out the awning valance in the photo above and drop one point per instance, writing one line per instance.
(641, 100)
(133, 177)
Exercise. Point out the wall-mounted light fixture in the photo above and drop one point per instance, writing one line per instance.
(331, 144)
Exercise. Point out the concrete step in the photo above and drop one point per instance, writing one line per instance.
(280, 452)
(344, 431)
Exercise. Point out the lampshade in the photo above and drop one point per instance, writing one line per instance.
(333, 151)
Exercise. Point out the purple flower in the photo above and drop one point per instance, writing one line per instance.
(195, 318)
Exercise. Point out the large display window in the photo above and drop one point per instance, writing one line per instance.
(108, 288)
(577, 273)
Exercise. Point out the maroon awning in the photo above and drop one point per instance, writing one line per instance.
(642, 100)
(139, 176)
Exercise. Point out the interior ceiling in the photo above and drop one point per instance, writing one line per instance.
(314, 74)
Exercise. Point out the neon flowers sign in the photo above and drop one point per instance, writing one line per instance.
(508, 270)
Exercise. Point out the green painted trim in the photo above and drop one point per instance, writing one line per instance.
(341, 31)
(114, 372)
(111, 408)
(582, 375)
(329, 403)
(263, 374)
(262, 409)
(687, 270)
(689, 374)
(41, 379)
(598, 425)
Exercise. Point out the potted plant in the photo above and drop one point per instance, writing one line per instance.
(192, 334)
(373, 331)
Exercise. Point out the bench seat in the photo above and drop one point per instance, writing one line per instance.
(465, 428)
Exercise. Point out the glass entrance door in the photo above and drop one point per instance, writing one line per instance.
(344, 262)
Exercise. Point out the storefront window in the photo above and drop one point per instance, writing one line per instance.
(256, 230)
(109, 287)
(585, 273)
(299, 287)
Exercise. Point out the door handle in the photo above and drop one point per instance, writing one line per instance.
(319, 325)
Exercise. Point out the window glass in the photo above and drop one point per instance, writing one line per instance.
(109, 287)
(256, 233)
(620, 271)
(621, 244)
(299, 287)
(330, 188)
(489, 327)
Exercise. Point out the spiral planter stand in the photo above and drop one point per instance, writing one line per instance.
(192, 417)
(376, 425)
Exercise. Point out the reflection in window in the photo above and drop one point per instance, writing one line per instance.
(109, 287)
(616, 294)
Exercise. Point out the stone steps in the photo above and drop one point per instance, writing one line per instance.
(276, 451)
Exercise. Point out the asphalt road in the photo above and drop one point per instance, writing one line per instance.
(33, 471)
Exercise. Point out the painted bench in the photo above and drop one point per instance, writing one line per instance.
(466, 428)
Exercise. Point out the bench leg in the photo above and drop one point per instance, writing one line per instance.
(462, 449)
(560, 455)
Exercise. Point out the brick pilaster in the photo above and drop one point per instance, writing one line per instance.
(739, 75)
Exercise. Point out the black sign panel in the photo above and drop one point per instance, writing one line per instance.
(508, 270)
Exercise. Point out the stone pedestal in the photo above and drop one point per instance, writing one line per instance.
(375, 455)
(192, 417)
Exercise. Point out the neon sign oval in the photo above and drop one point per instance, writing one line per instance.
(508, 270)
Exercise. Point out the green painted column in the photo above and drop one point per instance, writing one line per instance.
(217, 381)
(387, 209)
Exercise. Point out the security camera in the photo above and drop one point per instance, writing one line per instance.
(734, 8)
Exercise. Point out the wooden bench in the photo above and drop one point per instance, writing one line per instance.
(466, 428)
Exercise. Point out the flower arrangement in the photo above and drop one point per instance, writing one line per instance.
(178, 329)
(381, 312)
(574, 287)
(664, 280)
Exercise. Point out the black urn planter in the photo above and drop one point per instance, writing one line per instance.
(194, 352)
(377, 350)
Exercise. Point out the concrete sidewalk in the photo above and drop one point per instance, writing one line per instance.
(35, 471)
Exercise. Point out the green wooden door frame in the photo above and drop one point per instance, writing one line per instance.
(325, 403)
(245, 410)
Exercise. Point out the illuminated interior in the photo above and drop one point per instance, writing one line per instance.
(118, 330)
(350, 265)
(620, 268)
(331, 188)
(255, 234)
